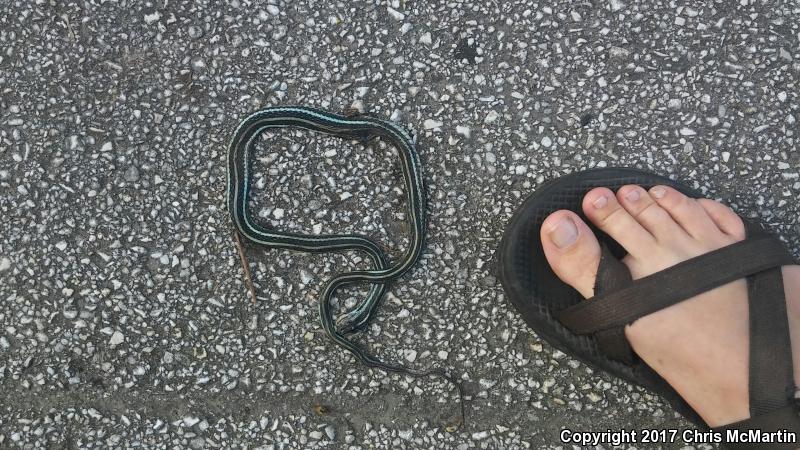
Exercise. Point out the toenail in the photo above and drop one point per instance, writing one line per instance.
(564, 233)
(600, 202)
(658, 191)
(633, 195)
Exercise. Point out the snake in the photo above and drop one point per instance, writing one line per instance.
(354, 127)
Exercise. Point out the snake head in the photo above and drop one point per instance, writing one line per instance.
(347, 327)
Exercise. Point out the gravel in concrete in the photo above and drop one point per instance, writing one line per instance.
(124, 317)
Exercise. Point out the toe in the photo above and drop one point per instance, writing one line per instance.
(647, 212)
(687, 212)
(602, 208)
(571, 249)
(726, 220)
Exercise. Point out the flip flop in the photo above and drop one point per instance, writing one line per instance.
(592, 331)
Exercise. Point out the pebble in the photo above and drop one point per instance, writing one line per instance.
(152, 18)
(431, 124)
(195, 32)
(425, 38)
(618, 52)
(395, 14)
(131, 174)
(116, 339)
(480, 435)
(190, 421)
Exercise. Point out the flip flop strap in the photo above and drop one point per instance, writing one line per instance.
(675, 284)
(619, 301)
(784, 420)
(613, 275)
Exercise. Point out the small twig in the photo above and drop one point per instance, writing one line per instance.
(247, 279)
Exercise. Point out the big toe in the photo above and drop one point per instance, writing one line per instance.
(572, 250)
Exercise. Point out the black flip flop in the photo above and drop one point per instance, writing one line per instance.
(593, 330)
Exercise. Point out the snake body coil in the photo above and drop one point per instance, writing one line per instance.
(361, 128)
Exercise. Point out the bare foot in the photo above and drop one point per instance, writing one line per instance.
(700, 346)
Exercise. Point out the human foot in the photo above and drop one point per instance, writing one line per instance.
(700, 346)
